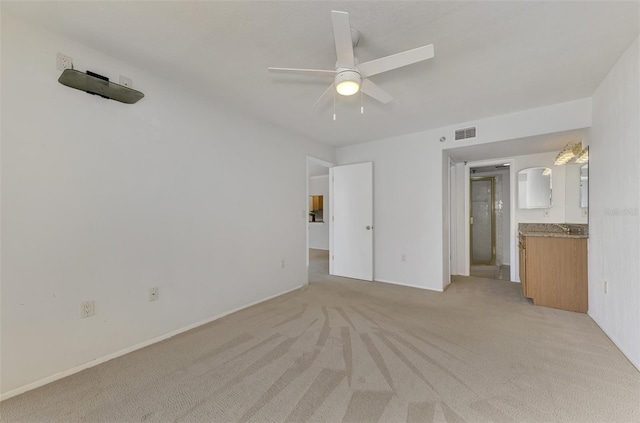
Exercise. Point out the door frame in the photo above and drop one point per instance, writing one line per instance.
(452, 224)
(305, 213)
(493, 220)
(512, 212)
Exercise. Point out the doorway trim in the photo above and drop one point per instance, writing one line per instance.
(492, 179)
(512, 212)
(310, 160)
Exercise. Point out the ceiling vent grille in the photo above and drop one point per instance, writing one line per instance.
(463, 134)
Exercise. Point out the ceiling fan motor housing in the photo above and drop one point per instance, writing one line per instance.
(347, 81)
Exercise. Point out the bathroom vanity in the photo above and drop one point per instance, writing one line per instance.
(553, 265)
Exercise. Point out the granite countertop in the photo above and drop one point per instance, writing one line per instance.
(553, 234)
(554, 230)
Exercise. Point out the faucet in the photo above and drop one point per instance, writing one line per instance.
(566, 229)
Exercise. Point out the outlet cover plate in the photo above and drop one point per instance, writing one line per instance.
(63, 62)
(125, 81)
(86, 309)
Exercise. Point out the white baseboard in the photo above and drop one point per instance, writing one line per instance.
(616, 343)
(92, 363)
(409, 285)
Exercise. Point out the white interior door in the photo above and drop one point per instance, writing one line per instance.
(352, 221)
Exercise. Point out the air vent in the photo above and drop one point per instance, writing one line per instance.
(463, 134)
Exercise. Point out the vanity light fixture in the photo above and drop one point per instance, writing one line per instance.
(568, 152)
(583, 157)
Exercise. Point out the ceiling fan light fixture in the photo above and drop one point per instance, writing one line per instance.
(348, 82)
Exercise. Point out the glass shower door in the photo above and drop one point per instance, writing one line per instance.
(483, 236)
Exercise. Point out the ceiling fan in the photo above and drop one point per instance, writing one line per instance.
(350, 76)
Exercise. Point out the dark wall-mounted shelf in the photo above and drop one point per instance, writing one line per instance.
(98, 85)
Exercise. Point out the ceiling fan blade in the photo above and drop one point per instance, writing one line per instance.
(342, 38)
(372, 90)
(395, 61)
(309, 72)
(325, 95)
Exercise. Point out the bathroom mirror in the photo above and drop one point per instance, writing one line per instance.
(316, 208)
(584, 186)
(534, 188)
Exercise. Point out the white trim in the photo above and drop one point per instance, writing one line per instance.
(92, 363)
(320, 161)
(616, 343)
(408, 285)
(305, 214)
(512, 213)
(319, 176)
(451, 208)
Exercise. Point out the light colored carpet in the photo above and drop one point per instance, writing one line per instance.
(318, 263)
(352, 351)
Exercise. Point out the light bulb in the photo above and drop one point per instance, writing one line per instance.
(347, 82)
(347, 88)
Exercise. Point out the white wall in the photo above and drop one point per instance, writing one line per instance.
(614, 205)
(407, 184)
(102, 200)
(319, 231)
(409, 181)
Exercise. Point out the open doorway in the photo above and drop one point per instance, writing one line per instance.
(489, 222)
(318, 225)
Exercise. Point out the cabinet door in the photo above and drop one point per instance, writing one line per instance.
(557, 272)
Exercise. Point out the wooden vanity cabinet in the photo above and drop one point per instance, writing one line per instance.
(523, 266)
(553, 271)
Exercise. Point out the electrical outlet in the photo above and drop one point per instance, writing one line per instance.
(86, 309)
(403, 257)
(126, 82)
(585, 212)
(153, 293)
(282, 264)
(64, 62)
(606, 287)
(547, 213)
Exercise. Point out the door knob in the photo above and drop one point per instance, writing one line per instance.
(368, 228)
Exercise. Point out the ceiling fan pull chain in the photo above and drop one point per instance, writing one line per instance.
(334, 105)
(361, 103)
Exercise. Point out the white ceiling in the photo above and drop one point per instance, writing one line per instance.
(491, 58)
